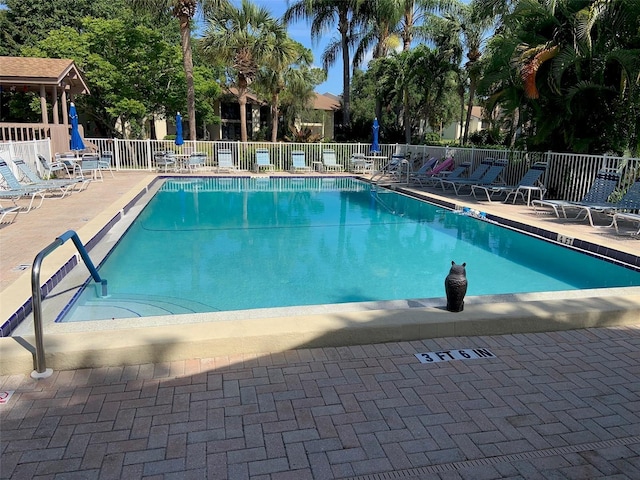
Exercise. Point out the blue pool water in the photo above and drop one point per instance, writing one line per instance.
(204, 245)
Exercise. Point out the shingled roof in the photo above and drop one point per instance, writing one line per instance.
(29, 73)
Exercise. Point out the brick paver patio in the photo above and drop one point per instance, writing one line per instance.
(548, 405)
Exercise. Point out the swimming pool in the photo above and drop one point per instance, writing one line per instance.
(224, 244)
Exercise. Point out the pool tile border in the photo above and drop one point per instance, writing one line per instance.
(27, 307)
(611, 255)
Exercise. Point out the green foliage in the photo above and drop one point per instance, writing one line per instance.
(124, 84)
(302, 135)
(25, 23)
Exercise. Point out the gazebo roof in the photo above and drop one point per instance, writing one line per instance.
(29, 73)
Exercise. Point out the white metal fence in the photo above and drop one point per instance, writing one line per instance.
(568, 175)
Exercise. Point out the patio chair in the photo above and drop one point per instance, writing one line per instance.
(601, 189)
(490, 178)
(361, 164)
(629, 201)
(530, 182)
(11, 212)
(89, 165)
(329, 162)
(164, 161)
(457, 173)
(299, 162)
(70, 162)
(105, 161)
(425, 169)
(225, 160)
(443, 168)
(29, 177)
(473, 177)
(196, 161)
(50, 168)
(629, 217)
(13, 190)
(262, 160)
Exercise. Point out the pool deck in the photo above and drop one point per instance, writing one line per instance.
(556, 402)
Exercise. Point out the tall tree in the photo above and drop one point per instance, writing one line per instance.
(282, 69)
(184, 11)
(324, 14)
(244, 39)
(114, 56)
(23, 24)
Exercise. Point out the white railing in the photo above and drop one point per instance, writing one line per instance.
(568, 175)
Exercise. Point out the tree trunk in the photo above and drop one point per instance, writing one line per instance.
(242, 101)
(346, 72)
(472, 92)
(406, 116)
(515, 122)
(274, 117)
(187, 60)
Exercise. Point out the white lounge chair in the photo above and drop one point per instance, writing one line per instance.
(262, 160)
(530, 182)
(66, 186)
(298, 162)
(225, 160)
(329, 161)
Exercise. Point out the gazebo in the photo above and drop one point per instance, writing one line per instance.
(57, 81)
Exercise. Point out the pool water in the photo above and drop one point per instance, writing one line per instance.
(221, 244)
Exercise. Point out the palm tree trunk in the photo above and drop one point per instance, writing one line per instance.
(406, 116)
(346, 72)
(472, 93)
(274, 117)
(242, 101)
(187, 60)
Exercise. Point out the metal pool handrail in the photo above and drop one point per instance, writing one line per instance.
(41, 370)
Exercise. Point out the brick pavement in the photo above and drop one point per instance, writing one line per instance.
(549, 405)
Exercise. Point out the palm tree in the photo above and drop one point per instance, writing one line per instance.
(324, 14)
(245, 39)
(282, 71)
(184, 11)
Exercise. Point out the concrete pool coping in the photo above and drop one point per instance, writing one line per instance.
(71, 346)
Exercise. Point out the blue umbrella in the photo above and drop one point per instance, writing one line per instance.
(376, 130)
(76, 139)
(179, 139)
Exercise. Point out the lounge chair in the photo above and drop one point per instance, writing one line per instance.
(490, 178)
(473, 177)
(440, 173)
(298, 162)
(262, 160)
(629, 201)
(530, 182)
(13, 190)
(105, 161)
(425, 171)
(629, 217)
(66, 186)
(225, 160)
(329, 162)
(603, 186)
(11, 212)
(196, 160)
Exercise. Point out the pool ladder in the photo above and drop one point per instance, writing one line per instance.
(41, 370)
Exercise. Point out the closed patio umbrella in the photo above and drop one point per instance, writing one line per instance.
(179, 139)
(376, 130)
(76, 139)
